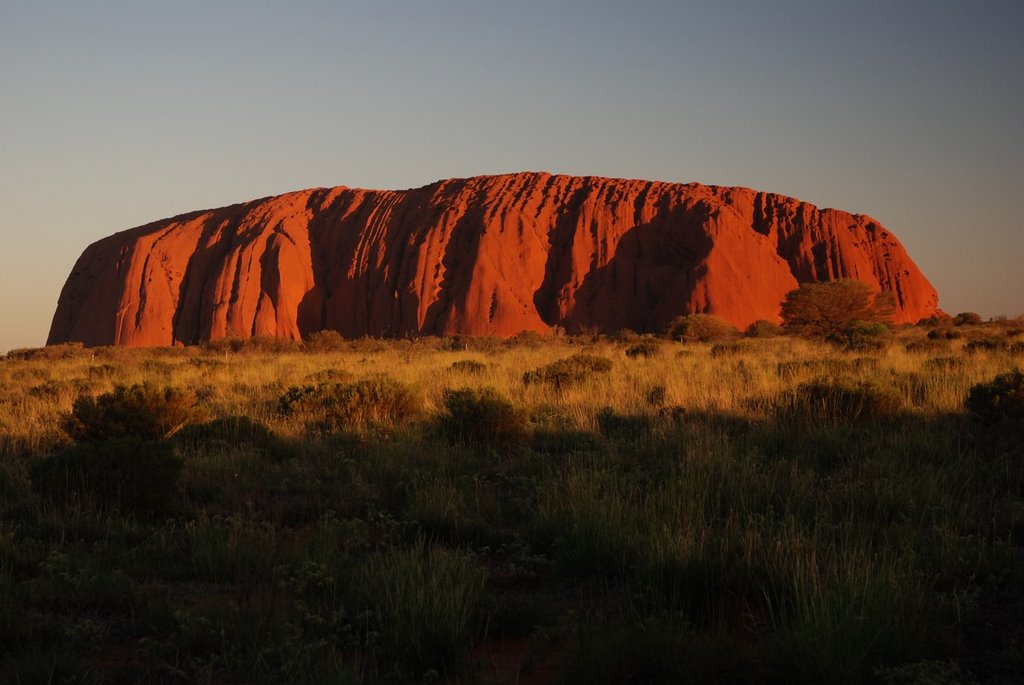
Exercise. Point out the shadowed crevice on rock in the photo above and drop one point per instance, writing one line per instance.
(483, 255)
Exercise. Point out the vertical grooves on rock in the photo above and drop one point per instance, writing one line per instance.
(486, 254)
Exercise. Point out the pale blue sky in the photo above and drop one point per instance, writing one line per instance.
(114, 114)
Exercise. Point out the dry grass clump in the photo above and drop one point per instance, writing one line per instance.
(470, 366)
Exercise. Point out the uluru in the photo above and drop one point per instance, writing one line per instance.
(488, 255)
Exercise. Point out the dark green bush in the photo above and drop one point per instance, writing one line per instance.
(481, 418)
(827, 400)
(232, 432)
(143, 411)
(928, 346)
(324, 341)
(834, 308)
(763, 329)
(569, 371)
(985, 345)
(644, 348)
(376, 401)
(942, 320)
(999, 400)
(128, 474)
(864, 336)
(700, 328)
(967, 319)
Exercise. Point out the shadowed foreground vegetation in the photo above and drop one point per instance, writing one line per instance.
(575, 510)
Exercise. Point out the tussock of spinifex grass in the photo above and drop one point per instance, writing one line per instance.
(765, 509)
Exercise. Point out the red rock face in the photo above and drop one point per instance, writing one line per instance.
(485, 255)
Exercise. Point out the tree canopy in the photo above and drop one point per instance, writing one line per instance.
(834, 307)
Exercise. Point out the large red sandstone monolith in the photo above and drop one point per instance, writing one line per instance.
(485, 255)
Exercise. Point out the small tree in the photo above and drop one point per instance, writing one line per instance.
(835, 307)
(700, 328)
(967, 319)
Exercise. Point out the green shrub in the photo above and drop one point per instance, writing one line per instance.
(481, 418)
(644, 348)
(324, 341)
(834, 308)
(377, 401)
(763, 329)
(928, 346)
(864, 336)
(827, 400)
(700, 328)
(939, 319)
(1001, 399)
(232, 432)
(140, 411)
(426, 603)
(967, 319)
(568, 371)
(985, 345)
(128, 474)
(944, 334)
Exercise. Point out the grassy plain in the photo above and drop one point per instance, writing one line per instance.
(760, 510)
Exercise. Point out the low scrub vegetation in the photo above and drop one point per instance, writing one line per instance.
(700, 328)
(373, 401)
(142, 411)
(999, 400)
(481, 418)
(575, 509)
(569, 371)
(843, 400)
(128, 475)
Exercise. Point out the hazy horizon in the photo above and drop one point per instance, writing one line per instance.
(116, 115)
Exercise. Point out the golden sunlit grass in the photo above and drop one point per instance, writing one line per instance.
(763, 510)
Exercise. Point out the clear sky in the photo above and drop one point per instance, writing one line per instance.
(114, 114)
